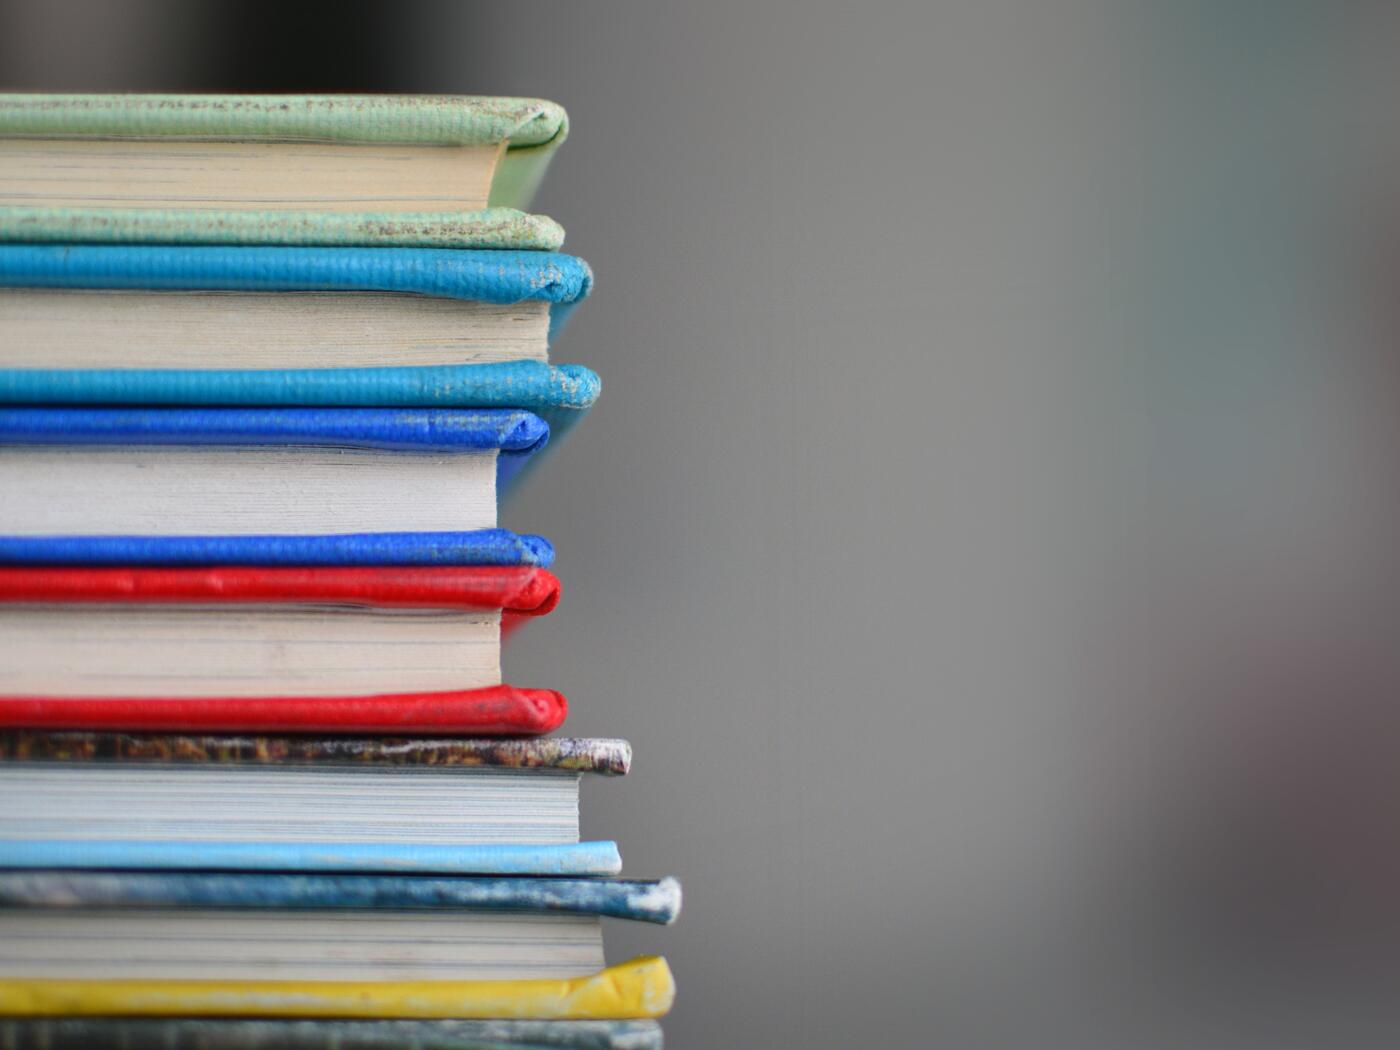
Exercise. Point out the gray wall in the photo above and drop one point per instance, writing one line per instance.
(983, 535)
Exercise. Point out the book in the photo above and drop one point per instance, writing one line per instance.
(306, 471)
(260, 631)
(234, 168)
(189, 1033)
(246, 803)
(75, 306)
(640, 988)
(230, 926)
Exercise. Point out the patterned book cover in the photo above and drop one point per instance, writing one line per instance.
(181, 1033)
(657, 901)
(608, 757)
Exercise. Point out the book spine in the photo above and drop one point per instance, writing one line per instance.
(494, 711)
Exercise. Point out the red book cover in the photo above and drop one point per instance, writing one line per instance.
(518, 591)
(501, 710)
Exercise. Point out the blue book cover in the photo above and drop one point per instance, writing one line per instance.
(656, 901)
(513, 433)
(481, 547)
(584, 858)
(486, 276)
(230, 1033)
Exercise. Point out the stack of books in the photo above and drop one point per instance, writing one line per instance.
(267, 364)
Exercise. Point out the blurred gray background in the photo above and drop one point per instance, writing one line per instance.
(984, 536)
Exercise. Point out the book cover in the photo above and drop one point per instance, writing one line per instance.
(583, 858)
(499, 710)
(607, 757)
(188, 1033)
(481, 547)
(488, 276)
(518, 591)
(657, 901)
(531, 129)
(495, 229)
(640, 988)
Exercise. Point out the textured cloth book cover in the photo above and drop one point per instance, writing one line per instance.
(486, 276)
(481, 547)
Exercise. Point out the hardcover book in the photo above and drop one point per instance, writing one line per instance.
(301, 169)
(178, 1033)
(192, 635)
(75, 306)
(242, 471)
(373, 804)
(230, 926)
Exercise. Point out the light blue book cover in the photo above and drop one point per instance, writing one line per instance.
(584, 858)
(485, 276)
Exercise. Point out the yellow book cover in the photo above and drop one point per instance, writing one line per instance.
(640, 988)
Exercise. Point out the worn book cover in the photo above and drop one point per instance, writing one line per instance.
(604, 756)
(640, 988)
(656, 901)
(182, 1033)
